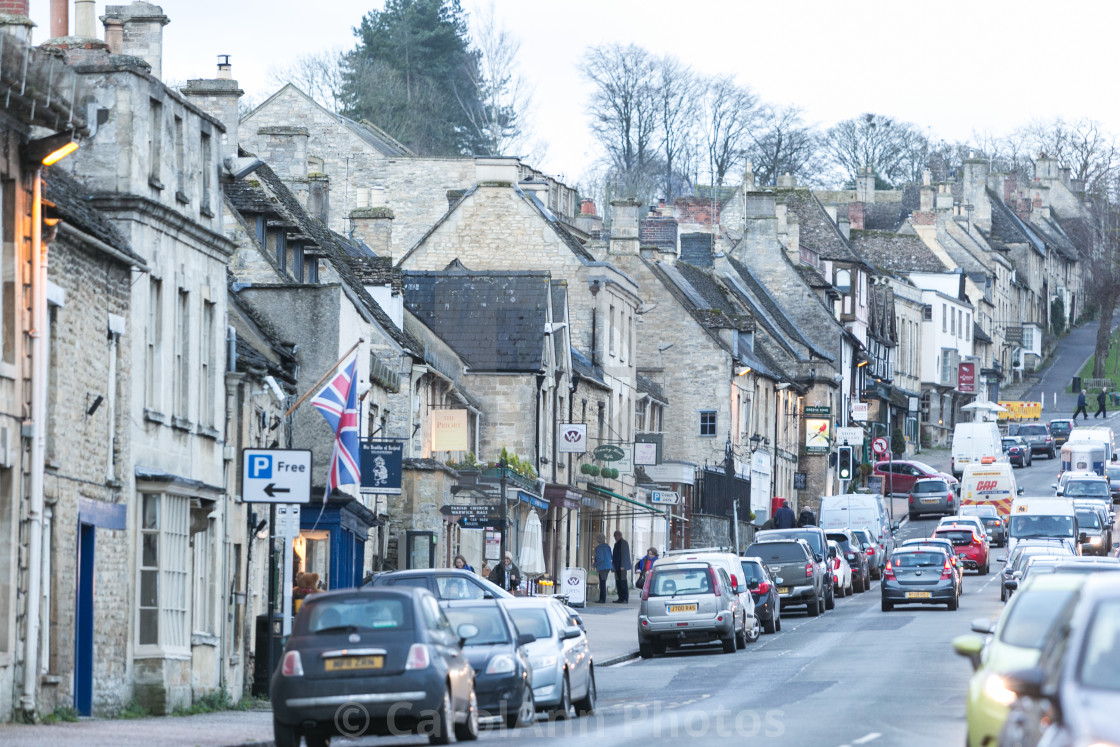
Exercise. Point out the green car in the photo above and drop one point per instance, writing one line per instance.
(1014, 643)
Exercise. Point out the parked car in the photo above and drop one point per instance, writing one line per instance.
(920, 575)
(1013, 564)
(767, 603)
(876, 559)
(856, 556)
(1039, 439)
(1012, 643)
(503, 675)
(817, 540)
(1071, 696)
(1112, 472)
(1059, 430)
(994, 524)
(689, 602)
(971, 547)
(899, 475)
(1017, 450)
(392, 652)
(861, 511)
(841, 571)
(930, 495)
(563, 671)
(1095, 533)
(729, 562)
(800, 578)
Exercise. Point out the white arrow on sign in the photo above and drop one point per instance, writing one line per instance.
(880, 445)
(665, 497)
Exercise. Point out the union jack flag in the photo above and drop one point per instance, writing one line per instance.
(338, 403)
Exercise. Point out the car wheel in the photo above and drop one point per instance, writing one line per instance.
(830, 600)
(645, 649)
(563, 709)
(284, 735)
(887, 606)
(526, 712)
(729, 643)
(851, 587)
(1051, 456)
(741, 637)
(444, 726)
(1002, 593)
(468, 730)
(755, 631)
(986, 568)
(954, 603)
(771, 625)
(585, 706)
(814, 607)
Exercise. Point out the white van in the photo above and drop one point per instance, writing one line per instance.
(857, 511)
(1099, 434)
(972, 442)
(1043, 517)
(990, 482)
(1083, 456)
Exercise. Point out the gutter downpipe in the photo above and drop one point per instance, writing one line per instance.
(39, 342)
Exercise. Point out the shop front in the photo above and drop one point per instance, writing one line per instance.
(332, 540)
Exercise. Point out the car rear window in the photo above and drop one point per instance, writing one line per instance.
(841, 540)
(931, 486)
(534, 621)
(752, 573)
(1076, 488)
(491, 625)
(957, 537)
(1060, 428)
(1033, 430)
(1031, 615)
(778, 552)
(917, 559)
(982, 511)
(359, 613)
(813, 538)
(667, 582)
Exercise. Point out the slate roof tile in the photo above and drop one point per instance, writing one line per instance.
(896, 253)
(71, 201)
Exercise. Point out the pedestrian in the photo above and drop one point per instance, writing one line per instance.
(806, 518)
(461, 563)
(643, 565)
(506, 575)
(621, 558)
(784, 518)
(1081, 406)
(1102, 397)
(603, 562)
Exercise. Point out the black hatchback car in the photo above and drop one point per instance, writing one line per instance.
(767, 603)
(503, 674)
(390, 656)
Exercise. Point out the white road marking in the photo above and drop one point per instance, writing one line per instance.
(868, 738)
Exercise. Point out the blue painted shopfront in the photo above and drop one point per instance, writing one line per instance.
(343, 525)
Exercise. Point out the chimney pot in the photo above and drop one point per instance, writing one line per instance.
(114, 35)
(225, 70)
(60, 18)
(143, 30)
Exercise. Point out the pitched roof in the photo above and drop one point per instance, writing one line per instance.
(494, 320)
(883, 216)
(817, 230)
(585, 369)
(1009, 228)
(812, 276)
(979, 335)
(249, 355)
(770, 313)
(646, 385)
(896, 252)
(69, 198)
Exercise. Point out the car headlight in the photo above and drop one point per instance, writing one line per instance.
(543, 661)
(500, 664)
(1094, 540)
(996, 689)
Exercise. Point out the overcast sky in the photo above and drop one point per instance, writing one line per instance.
(952, 66)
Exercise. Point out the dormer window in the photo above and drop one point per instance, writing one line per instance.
(843, 281)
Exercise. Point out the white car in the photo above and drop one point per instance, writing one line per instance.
(560, 657)
(973, 521)
(840, 568)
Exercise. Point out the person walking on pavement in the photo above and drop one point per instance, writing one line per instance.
(643, 565)
(806, 518)
(1102, 397)
(1081, 406)
(506, 575)
(603, 562)
(784, 518)
(621, 558)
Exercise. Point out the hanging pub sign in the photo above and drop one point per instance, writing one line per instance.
(966, 377)
(817, 435)
(572, 438)
(381, 465)
(449, 430)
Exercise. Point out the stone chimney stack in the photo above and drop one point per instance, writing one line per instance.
(114, 34)
(85, 19)
(624, 227)
(787, 181)
(865, 185)
(496, 171)
(218, 97)
(14, 19)
(855, 216)
(748, 178)
(975, 181)
(143, 32)
(944, 199)
(372, 222)
(319, 197)
(285, 150)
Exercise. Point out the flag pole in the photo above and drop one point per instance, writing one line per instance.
(315, 386)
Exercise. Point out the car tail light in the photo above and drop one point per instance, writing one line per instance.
(836, 564)
(949, 500)
(888, 572)
(808, 570)
(734, 581)
(715, 581)
(911, 497)
(418, 657)
(292, 666)
(763, 588)
(645, 587)
(947, 572)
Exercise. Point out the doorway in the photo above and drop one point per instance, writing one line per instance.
(83, 634)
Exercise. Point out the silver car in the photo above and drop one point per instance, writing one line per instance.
(563, 671)
(690, 603)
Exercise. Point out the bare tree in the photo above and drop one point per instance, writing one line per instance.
(318, 74)
(730, 111)
(623, 113)
(780, 143)
(896, 151)
(676, 97)
(1083, 145)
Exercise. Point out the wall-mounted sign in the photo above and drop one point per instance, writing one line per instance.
(381, 465)
(1013, 334)
(449, 430)
(818, 410)
(817, 435)
(800, 480)
(572, 438)
(966, 377)
(609, 453)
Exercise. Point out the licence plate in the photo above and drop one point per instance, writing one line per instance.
(350, 663)
(918, 595)
(930, 500)
(783, 590)
(682, 608)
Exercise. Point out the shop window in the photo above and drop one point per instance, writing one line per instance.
(164, 557)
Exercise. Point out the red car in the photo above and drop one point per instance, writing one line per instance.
(900, 475)
(972, 549)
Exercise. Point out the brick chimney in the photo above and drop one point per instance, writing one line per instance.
(624, 227)
(14, 19)
(143, 32)
(372, 222)
(219, 98)
(855, 216)
(658, 235)
(60, 19)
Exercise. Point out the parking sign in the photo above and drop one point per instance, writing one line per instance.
(276, 475)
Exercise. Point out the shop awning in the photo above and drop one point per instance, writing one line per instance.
(532, 500)
(562, 496)
(611, 494)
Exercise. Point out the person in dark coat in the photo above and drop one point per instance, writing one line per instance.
(784, 518)
(806, 518)
(621, 558)
(1102, 397)
(603, 561)
(1081, 406)
(506, 574)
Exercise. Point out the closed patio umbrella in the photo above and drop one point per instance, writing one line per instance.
(531, 559)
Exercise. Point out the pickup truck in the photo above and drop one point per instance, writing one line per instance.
(795, 571)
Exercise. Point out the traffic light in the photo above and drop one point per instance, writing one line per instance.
(844, 460)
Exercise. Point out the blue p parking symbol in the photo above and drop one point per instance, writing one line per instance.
(260, 467)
